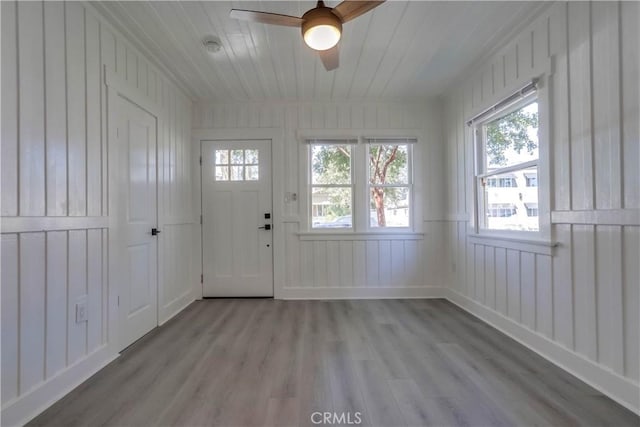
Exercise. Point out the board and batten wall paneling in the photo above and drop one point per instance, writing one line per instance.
(580, 301)
(387, 263)
(54, 185)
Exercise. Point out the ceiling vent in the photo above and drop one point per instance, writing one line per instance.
(212, 44)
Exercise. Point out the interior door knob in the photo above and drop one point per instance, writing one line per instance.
(266, 227)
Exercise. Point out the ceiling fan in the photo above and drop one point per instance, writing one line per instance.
(321, 26)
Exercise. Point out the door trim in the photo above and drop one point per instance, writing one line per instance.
(277, 185)
(116, 89)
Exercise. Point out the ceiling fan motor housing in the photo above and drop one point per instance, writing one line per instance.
(320, 16)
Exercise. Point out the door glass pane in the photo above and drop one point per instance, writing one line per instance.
(222, 173)
(237, 157)
(390, 207)
(222, 157)
(252, 173)
(237, 173)
(331, 207)
(251, 157)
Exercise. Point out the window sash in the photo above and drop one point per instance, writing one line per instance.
(332, 141)
(505, 170)
(390, 141)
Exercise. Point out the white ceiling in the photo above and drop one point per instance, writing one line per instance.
(400, 50)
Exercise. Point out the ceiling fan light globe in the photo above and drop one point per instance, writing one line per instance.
(322, 37)
(321, 28)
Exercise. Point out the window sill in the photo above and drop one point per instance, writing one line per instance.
(347, 235)
(538, 246)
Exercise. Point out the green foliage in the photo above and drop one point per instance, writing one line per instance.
(388, 164)
(331, 164)
(511, 132)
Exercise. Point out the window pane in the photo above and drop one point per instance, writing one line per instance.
(222, 173)
(237, 157)
(512, 207)
(253, 173)
(251, 157)
(389, 207)
(331, 207)
(512, 139)
(330, 164)
(388, 164)
(222, 157)
(237, 173)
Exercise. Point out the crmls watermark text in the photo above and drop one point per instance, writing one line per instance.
(336, 418)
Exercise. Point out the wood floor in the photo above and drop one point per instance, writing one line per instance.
(256, 362)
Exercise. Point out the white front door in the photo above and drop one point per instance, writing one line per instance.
(237, 217)
(138, 294)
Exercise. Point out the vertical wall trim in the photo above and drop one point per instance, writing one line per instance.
(621, 107)
(86, 115)
(18, 133)
(44, 103)
(568, 85)
(46, 283)
(594, 194)
(66, 318)
(19, 309)
(66, 106)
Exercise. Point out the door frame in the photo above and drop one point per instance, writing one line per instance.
(117, 88)
(277, 189)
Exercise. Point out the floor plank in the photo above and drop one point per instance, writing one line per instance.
(253, 362)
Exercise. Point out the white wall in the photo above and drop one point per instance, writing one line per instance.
(55, 197)
(352, 267)
(578, 303)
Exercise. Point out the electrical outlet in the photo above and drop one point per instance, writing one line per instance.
(81, 309)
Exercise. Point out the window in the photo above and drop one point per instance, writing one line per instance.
(331, 185)
(532, 180)
(507, 172)
(382, 197)
(237, 165)
(389, 189)
(501, 182)
(501, 210)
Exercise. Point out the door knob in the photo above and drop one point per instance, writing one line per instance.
(266, 227)
(155, 231)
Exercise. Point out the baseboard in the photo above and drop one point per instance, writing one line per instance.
(176, 306)
(363, 293)
(21, 410)
(617, 387)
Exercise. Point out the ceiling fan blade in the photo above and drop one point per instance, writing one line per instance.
(330, 58)
(351, 9)
(266, 17)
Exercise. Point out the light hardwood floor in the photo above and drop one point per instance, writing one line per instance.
(249, 362)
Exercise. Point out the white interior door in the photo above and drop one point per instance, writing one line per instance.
(237, 217)
(138, 294)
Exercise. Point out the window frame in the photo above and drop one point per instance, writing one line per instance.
(360, 182)
(541, 95)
